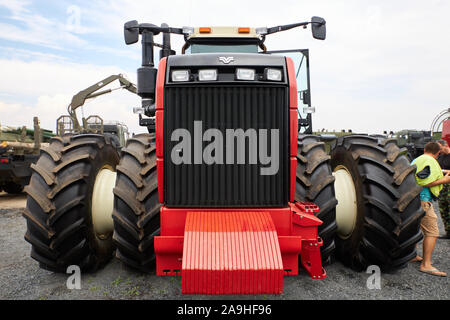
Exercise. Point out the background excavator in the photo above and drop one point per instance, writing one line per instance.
(69, 124)
(20, 147)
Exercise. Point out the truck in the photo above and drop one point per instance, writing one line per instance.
(229, 188)
(19, 149)
(415, 140)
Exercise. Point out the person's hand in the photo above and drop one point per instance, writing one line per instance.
(447, 178)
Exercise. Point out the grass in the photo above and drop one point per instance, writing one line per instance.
(133, 292)
(44, 297)
(94, 288)
(117, 281)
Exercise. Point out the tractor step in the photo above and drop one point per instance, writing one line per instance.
(231, 253)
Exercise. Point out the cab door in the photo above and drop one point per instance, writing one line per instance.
(300, 57)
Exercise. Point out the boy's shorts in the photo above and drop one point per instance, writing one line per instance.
(429, 224)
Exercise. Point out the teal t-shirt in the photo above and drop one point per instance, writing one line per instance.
(425, 194)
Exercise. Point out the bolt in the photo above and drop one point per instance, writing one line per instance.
(301, 217)
(314, 277)
(319, 277)
(315, 244)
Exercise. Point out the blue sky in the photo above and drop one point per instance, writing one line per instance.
(384, 65)
(63, 29)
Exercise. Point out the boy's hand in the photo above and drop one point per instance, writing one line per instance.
(447, 178)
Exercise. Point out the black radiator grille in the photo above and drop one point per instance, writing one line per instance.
(225, 107)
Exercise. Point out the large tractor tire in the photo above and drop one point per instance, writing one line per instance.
(13, 188)
(315, 184)
(70, 202)
(136, 204)
(379, 212)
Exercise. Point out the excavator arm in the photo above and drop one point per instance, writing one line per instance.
(80, 98)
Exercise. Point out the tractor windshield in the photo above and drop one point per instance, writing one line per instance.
(208, 48)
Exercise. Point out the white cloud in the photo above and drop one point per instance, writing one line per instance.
(36, 29)
(15, 6)
(29, 55)
(44, 89)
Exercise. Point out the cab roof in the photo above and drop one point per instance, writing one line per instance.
(224, 32)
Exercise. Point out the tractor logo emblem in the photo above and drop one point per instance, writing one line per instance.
(226, 60)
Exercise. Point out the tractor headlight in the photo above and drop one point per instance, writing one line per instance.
(245, 74)
(207, 75)
(181, 75)
(273, 74)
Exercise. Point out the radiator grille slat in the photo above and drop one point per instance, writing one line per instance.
(225, 107)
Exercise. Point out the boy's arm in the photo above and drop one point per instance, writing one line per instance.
(443, 180)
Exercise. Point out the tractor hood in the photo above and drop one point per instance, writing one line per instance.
(226, 59)
(226, 64)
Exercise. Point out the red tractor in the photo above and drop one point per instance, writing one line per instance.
(228, 189)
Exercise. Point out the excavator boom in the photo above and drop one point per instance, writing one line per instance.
(91, 92)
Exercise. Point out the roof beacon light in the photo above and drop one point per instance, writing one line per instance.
(244, 30)
(204, 30)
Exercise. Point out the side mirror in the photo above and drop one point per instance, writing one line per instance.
(319, 29)
(131, 32)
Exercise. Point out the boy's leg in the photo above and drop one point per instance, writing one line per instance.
(430, 230)
(428, 247)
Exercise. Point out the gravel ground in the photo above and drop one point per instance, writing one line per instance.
(21, 277)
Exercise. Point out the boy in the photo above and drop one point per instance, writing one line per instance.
(429, 175)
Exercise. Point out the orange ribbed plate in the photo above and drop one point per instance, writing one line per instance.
(231, 253)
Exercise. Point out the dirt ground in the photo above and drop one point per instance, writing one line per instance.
(12, 201)
(21, 277)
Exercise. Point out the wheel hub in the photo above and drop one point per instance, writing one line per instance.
(346, 209)
(103, 202)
